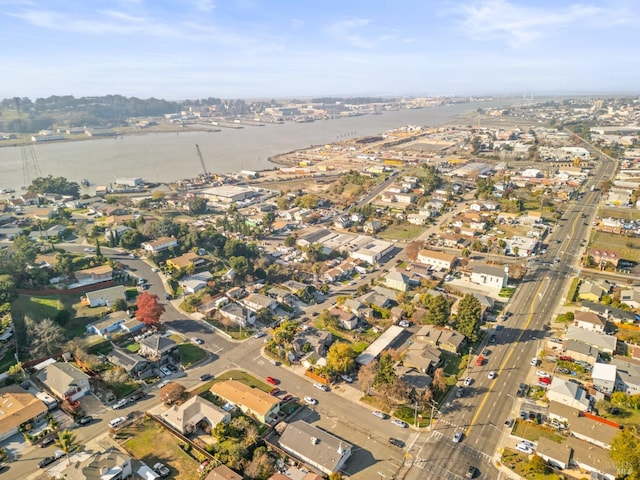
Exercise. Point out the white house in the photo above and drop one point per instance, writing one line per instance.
(437, 260)
(65, 381)
(160, 244)
(490, 276)
(603, 376)
(568, 393)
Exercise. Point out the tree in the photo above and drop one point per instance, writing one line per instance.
(625, 452)
(367, 375)
(172, 392)
(131, 239)
(58, 185)
(198, 205)
(439, 310)
(386, 373)
(120, 305)
(469, 315)
(412, 250)
(149, 309)
(45, 337)
(341, 357)
(67, 442)
(439, 380)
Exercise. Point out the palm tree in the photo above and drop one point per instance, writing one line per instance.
(67, 442)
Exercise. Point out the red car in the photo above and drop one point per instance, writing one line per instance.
(274, 391)
(273, 381)
(545, 380)
(287, 398)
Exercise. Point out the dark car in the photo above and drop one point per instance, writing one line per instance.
(274, 391)
(492, 339)
(46, 442)
(84, 420)
(139, 395)
(287, 398)
(396, 442)
(471, 472)
(46, 461)
(205, 376)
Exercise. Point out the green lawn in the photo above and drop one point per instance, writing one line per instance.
(404, 232)
(245, 378)
(132, 347)
(150, 443)
(234, 331)
(533, 432)
(190, 354)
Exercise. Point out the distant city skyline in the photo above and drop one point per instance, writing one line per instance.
(183, 49)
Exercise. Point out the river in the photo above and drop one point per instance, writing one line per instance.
(166, 157)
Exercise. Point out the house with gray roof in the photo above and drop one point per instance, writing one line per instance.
(424, 358)
(105, 297)
(568, 393)
(442, 338)
(316, 448)
(108, 325)
(134, 364)
(617, 315)
(156, 346)
(238, 314)
(397, 280)
(489, 276)
(65, 381)
(257, 302)
(604, 343)
(580, 351)
(628, 375)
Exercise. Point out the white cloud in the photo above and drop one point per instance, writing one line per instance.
(518, 24)
(204, 5)
(350, 32)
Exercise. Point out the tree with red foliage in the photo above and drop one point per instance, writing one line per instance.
(149, 309)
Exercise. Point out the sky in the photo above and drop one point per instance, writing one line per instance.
(188, 49)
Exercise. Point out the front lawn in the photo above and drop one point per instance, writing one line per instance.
(234, 331)
(148, 442)
(190, 354)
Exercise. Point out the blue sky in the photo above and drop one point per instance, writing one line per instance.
(284, 48)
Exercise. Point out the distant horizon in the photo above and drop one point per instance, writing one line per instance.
(255, 49)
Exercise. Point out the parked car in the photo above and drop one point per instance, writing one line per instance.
(197, 341)
(165, 370)
(471, 472)
(286, 398)
(457, 437)
(396, 442)
(274, 391)
(508, 422)
(523, 415)
(468, 381)
(310, 400)
(161, 469)
(545, 380)
(524, 449)
(460, 392)
(379, 414)
(399, 423)
(259, 334)
(84, 420)
(47, 441)
(117, 421)
(89, 249)
(534, 362)
(139, 395)
(321, 386)
(404, 324)
(346, 378)
(46, 461)
(273, 381)
(205, 376)
(492, 339)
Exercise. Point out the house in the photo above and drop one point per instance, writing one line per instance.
(65, 381)
(155, 347)
(490, 276)
(608, 312)
(132, 325)
(312, 341)
(108, 325)
(18, 407)
(376, 299)
(388, 337)
(238, 314)
(111, 464)
(568, 393)
(160, 244)
(104, 297)
(257, 302)
(589, 321)
(602, 257)
(195, 283)
(397, 280)
(630, 297)
(579, 351)
(346, 320)
(356, 307)
(103, 273)
(558, 455)
(282, 295)
(592, 291)
(222, 472)
(604, 377)
(134, 364)
(443, 338)
(264, 407)
(437, 260)
(187, 261)
(628, 375)
(315, 447)
(424, 358)
(196, 413)
(604, 343)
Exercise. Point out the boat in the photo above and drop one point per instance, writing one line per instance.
(85, 182)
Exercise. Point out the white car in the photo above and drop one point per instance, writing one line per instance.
(468, 381)
(346, 378)
(117, 421)
(164, 384)
(542, 374)
(457, 437)
(534, 362)
(123, 402)
(197, 341)
(310, 400)
(404, 324)
(379, 414)
(320, 386)
(89, 249)
(524, 449)
(399, 423)
(259, 335)
(491, 375)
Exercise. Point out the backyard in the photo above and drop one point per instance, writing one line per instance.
(150, 443)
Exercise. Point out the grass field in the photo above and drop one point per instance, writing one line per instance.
(533, 432)
(628, 247)
(150, 443)
(622, 213)
(403, 232)
(190, 354)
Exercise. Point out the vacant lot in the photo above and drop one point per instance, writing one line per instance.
(628, 247)
(404, 232)
(150, 443)
(621, 213)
